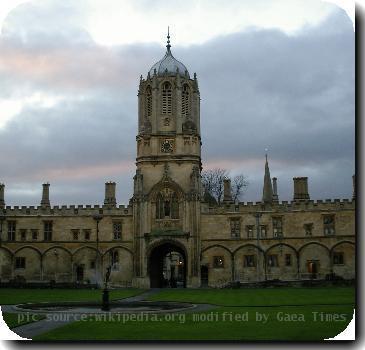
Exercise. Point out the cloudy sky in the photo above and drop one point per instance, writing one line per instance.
(276, 74)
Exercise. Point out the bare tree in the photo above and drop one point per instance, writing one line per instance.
(239, 186)
(213, 182)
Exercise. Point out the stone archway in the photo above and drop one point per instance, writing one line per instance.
(167, 266)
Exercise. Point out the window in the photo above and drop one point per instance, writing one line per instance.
(114, 258)
(249, 230)
(287, 259)
(87, 234)
(20, 262)
(174, 206)
(235, 227)
(75, 234)
(166, 98)
(218, 262)
(167, 205)
(249, 261)
(34, 234)
(117, 230)
(277, 224)
(338, 258)
(160, 207)
(272, 261)
(48, 226)
(308, 228)
(185, 103)
(23, 235)
(92, 264)
(11, 230)
(329, 224)
(263, 231)
(148, 101)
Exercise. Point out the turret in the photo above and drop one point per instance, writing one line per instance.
(275, 197)
(110, 199)
(301, 188)
(227, 191)
(45, 195)
(2, 197)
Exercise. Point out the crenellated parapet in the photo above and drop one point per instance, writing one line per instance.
(282, 206)
(108, 208)
(68, 210)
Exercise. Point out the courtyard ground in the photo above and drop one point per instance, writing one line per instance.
(235, 314)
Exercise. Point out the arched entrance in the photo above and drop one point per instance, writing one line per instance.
(167, 266)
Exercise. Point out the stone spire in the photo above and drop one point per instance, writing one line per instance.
(168, 46)
(267, 193)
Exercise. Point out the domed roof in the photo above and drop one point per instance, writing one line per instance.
(169, 64)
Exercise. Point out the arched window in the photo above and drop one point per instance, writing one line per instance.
(185, 103)
(148, 105)
(166, 98)
(167, 206)
(160, 207)
(114, 257)
(174, 207)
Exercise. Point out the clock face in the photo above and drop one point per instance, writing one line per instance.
(166, 146)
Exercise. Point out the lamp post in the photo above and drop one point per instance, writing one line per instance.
(105, 306)
(97, 219)
(257, 217)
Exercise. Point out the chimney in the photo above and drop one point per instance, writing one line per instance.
(275, 197)
(110, 199)
(353, 187)
(2, 200)
(300, 188)
(45, 196)
(227, 194)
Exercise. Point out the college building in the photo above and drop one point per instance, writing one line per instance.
(169, 234)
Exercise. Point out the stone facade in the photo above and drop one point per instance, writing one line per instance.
(215, 245)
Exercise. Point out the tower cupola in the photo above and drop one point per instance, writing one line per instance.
(169, 65)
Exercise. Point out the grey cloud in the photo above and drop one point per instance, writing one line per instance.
(96, 130)
(259, 88)
(293, 94)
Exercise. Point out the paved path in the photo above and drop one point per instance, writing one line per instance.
(31, 330)
(143, 296)
(152, 291)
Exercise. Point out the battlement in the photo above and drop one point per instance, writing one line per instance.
(282, 206)
(68, 210)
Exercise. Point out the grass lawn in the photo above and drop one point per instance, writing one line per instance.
(225, 325)
(16, 296)
(15, 320)
(233, 322)
(260, 296)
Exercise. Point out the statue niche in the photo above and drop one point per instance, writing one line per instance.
(167, 204)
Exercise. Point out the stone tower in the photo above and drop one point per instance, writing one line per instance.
(167, 184)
